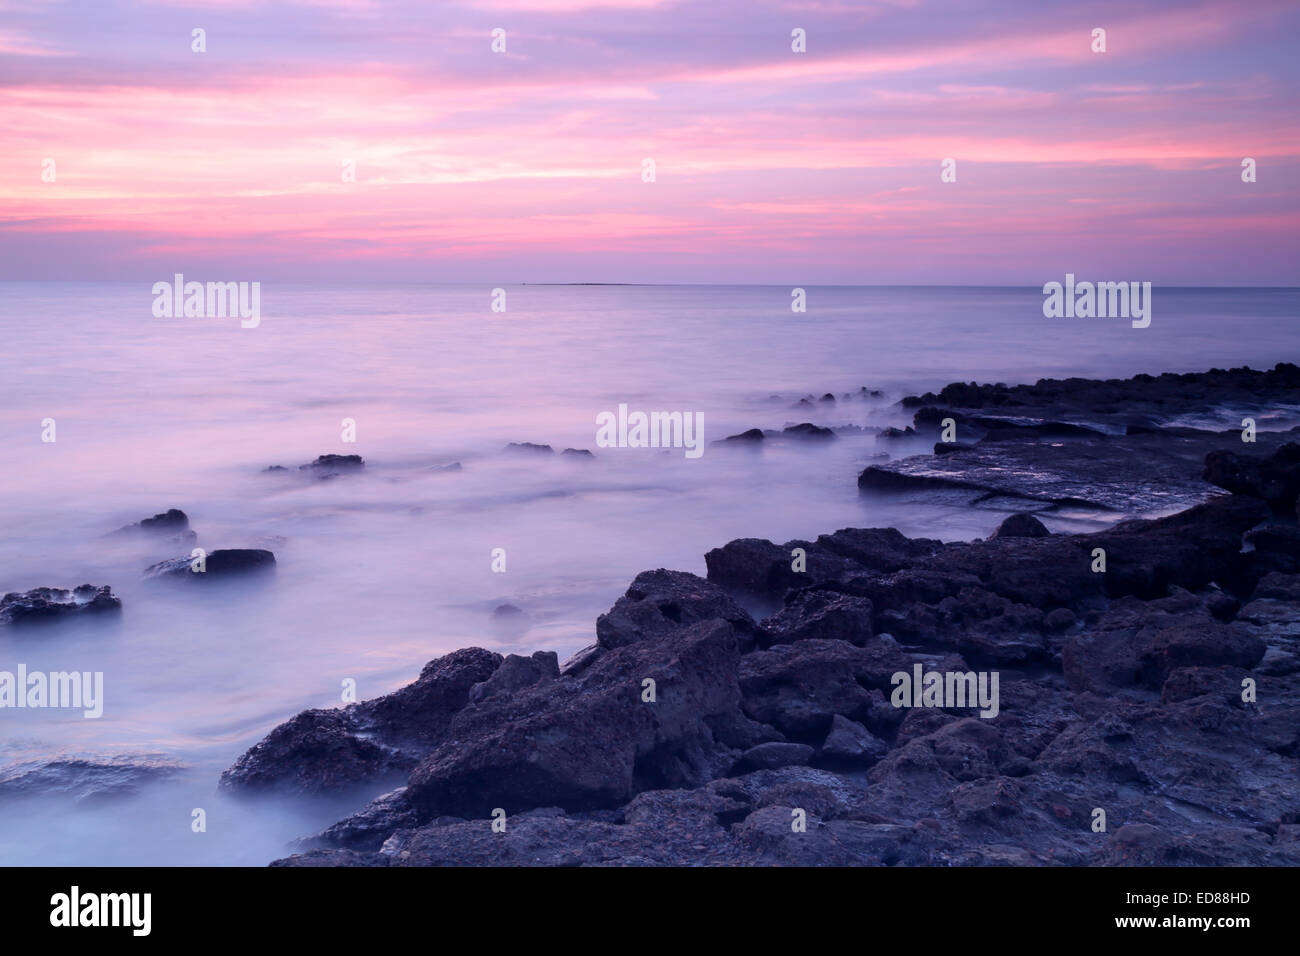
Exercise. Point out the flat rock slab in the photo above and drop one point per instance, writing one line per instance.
(1149, 473)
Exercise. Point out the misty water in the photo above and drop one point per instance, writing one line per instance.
(381, 571)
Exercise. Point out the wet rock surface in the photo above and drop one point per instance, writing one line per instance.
(1117, 445)
(227, 563)
(41, 605)
(1150, 670)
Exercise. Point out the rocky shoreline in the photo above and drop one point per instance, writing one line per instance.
(1147, 675)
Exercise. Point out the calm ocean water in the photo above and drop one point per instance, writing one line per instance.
(381, 571)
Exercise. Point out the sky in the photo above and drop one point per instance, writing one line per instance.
(770, 165)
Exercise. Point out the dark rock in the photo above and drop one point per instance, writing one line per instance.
(1133, 474)
(528, 448)
(1139, 643)
(1061, 619)
(46, 604)
(576, 453)
(1275, 479)
(808, 430)
(173, 521)
(661, 601)
(232, 562)
(820, 614)
(591, 741)
(320, 751)
(755, 566)
(515, 673)
(581, 659)
(1022, 525)
(369, 827)
(850, 745)
(798, 688)
(1282, 539)
(745, 437)
(771, 755)
(334, 463)
(1114, 400)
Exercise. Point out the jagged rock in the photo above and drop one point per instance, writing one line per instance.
(1138, 643)
(529, 448)
(661, 601)
(47, 604)
(515, 673)
(320, 751)
(798, 688)
(849, 744)
(369, 827)
(590, 740)
(173, 521)
(1124, 689)
(823, 614)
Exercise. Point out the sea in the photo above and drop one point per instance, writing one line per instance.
(110, 414)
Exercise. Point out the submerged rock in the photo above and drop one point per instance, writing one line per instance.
(751, 436)
(334, 463)
(1127, 474)
(808, 430)
(227, 563)
(47, 604)
(173, 521)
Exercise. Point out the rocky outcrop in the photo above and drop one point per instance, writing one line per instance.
(1275, 479)
(1150, 671)
(48, 604)
(322, 751)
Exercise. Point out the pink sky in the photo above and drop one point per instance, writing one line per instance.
(772, 166)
